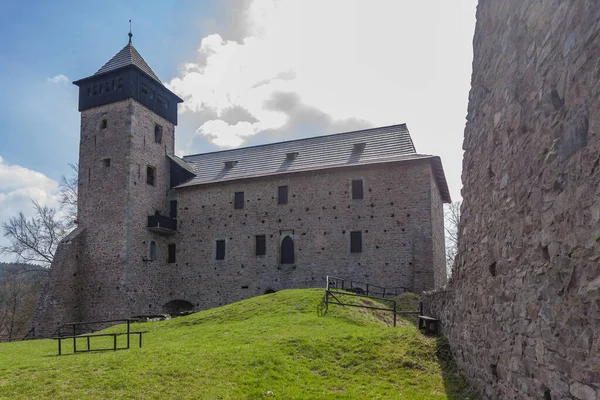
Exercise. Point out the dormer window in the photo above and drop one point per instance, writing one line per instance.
(230, 164)
(291, 156)
(358, 147)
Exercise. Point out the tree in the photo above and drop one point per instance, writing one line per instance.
(34, 240)
(452, 229)
(68, 195)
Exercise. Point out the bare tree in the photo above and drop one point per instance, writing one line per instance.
(68, 195)
(34, 240)
(452, 229)
(19, 291)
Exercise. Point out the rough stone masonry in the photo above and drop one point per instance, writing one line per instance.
(522, 309)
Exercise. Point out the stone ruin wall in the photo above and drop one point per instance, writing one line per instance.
(522, 310)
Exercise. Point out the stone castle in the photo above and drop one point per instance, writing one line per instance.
(157, 233)
(522, 309)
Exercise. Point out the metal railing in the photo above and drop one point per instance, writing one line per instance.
(338, 288)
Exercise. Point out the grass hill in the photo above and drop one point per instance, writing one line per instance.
(273, 346)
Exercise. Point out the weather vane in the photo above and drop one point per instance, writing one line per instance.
(130, 34)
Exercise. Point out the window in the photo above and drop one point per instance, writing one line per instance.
(239, 200)
(103, 124)
(152, 251)
(261, 245)
(173, 209)
(172, 253)
(150, 175)
(158, 133)
(356, 242)
(106, 162)
(282, 195)
(357, 189)
(287, 250)
(220, 250)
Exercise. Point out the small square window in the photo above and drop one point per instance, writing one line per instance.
(239, 200)
(106, 162)
(220, 250)
(158, 134)
(357, 189)
(282, 195)
(150, 175)
(356, 242)
(172, 251)
(261, 245)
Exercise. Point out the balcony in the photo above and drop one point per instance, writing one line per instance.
(162, 224)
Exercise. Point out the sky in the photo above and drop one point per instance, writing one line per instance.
(250, 72)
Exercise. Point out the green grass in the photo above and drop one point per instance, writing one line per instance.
(273, 346)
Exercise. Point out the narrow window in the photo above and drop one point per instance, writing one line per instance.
(103, 124)
(239, 200)
(287, 250)
(357, 189)
(120, 83)
(150, 175)
(152, 251)
(106, 162)
(261, 245)
(282, 195)
(220, 250)
(173, 209)
(356, 242)
(172, 253)
(158, 134)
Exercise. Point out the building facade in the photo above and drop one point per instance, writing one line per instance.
(157, 233)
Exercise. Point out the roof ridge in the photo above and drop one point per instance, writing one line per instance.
(287, 142)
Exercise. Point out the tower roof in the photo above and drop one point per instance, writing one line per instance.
(127, 56)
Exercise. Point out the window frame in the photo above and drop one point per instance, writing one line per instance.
(260, 243)
(158, 133)
(172, 253)
(282, 199)
(238, 200)
(356, 242)
(358, 192)
(148, 169)
(224, 249)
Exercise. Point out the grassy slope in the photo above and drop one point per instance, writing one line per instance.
(272, 346)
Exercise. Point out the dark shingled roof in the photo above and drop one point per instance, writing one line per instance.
(127, 56)
(369, 146)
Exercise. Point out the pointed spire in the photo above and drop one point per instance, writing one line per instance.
(130, 34)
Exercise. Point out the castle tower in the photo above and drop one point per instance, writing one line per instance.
(127, 141)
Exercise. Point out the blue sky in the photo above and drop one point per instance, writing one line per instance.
(250, 72)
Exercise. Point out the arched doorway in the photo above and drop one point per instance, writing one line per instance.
(287, 250)
(177, 306)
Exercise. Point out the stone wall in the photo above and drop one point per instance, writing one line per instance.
(522, 310)
(395, 218)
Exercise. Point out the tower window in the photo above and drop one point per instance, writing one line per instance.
(357, 189)
(106, 162)
(287, 250)
(356, 242)
(103, 124)
(172, 253)
(282, 195)
(158, 133)
(238, 200)
(220, 253)
(152, 251)
(173, 209)
(260, 245)
(150, 175)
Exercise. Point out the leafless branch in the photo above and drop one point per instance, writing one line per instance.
(68, 195)
(452, 230)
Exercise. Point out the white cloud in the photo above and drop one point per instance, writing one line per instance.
(18, 186)
(60, 78)
(379, 62)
